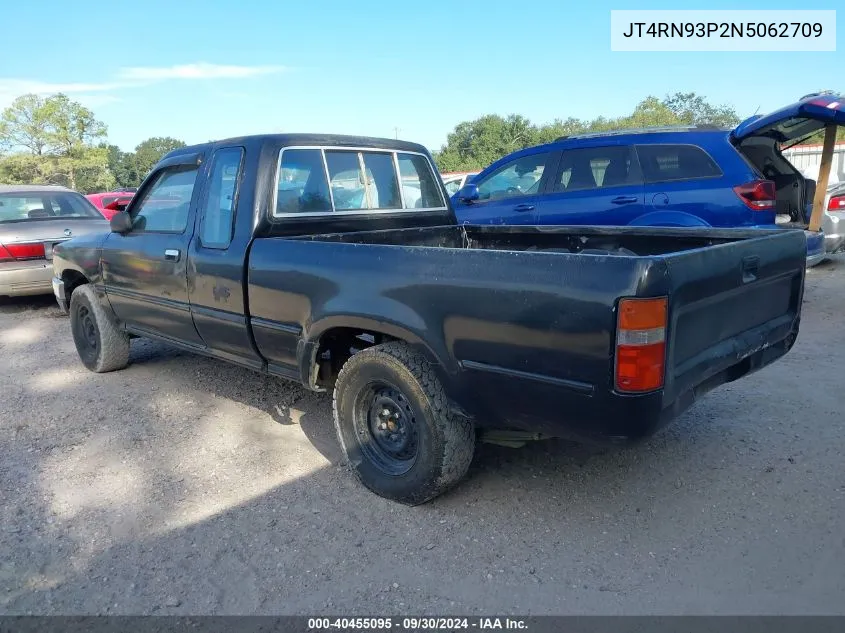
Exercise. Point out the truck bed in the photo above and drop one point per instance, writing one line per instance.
(522, 320)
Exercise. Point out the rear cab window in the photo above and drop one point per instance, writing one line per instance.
(329, 180)
(663, 163)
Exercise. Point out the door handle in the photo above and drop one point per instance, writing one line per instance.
(624, 199)
(172, 254)
(750, 268)
(524, 207)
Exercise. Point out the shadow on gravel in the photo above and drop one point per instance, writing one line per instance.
(152, 518)
(204, 496)
(16, 305)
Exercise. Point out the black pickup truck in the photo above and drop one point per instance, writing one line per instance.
(337, 262)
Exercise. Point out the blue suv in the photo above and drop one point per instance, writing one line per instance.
(678, 176)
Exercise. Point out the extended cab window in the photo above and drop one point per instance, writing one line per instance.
(597, 168)
(519, 177)
(219, 209)
(164, 207)
(661, 163)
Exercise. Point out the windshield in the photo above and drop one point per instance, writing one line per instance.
(38, 205)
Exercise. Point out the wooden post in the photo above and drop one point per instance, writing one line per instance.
(824, 176)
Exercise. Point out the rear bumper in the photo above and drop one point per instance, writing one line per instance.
(834, 232)
(25, 278)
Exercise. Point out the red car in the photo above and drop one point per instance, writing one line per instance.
(110, 202)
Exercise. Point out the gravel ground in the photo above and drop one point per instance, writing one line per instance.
(185, 485)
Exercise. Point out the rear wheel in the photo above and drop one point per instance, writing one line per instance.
(395, 427)
(101, 345)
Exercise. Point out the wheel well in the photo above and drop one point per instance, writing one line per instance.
(73, 279)
(336, 346)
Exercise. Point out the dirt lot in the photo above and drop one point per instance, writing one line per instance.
(184, 485)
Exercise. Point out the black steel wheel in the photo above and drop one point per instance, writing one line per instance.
(395, 426)
(385, 425)
(102, 346)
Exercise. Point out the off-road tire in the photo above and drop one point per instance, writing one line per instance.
(446, 441)
(101, 345)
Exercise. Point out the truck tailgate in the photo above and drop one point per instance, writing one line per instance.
(729, 302)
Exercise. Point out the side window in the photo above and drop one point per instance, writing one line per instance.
(164, 207)
(219, 209)
(420, 186)
(302, 186)
(520, 177)
(661, 163)
(597, 168)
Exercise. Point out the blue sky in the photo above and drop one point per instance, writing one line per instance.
(212, 69)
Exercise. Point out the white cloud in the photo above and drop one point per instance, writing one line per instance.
(10, 89)
(196, 71)
(131, 77)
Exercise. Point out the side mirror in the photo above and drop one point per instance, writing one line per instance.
(468, 193)
(120, 222)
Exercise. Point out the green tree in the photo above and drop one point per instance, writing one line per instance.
(149, 152)
(694, 109)
(122, 166)
(53, 139)
(475, 144)
(25, 124)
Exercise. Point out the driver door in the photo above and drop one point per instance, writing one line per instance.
(145, 269)
(509, 194)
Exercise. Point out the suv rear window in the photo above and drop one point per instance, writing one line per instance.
(660, 163)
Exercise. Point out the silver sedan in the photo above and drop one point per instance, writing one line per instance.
(833, 222)
(32, 219)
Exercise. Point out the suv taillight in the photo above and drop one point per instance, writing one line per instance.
(837, 203)
(12, 252)
(641, 344)
(758, 195)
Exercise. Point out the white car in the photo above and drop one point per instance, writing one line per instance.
(833, 222)
(455, 180)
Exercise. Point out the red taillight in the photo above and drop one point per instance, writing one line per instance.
(837, 203)
(21, 251)
(758, 195)
(641, 344)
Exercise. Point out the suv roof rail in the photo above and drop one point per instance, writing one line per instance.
(642, 130)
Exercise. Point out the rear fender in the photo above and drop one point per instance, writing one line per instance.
(310, 344)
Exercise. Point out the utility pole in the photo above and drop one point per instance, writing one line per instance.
(396, 133)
